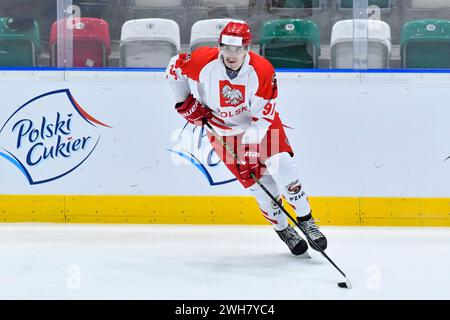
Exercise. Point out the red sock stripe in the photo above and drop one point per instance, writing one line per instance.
(267, 217)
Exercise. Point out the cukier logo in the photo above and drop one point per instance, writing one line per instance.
(193, 147)
(49, 136)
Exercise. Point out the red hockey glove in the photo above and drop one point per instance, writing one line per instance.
(248, 155)
(193, 111)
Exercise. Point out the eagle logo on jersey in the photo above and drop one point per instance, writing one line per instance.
(231, 95)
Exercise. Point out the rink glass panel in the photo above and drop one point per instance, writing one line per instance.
(71, 50)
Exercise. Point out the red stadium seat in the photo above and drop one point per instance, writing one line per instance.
(91, 41)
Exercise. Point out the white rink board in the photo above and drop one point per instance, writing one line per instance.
(354, 135)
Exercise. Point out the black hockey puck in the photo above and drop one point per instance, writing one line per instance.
(342, 285)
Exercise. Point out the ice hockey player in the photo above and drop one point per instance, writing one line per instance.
(235, 90)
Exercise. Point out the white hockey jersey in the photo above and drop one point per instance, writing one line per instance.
(243, 104)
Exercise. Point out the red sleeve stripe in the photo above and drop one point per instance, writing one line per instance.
(265, 72)
(195, 62)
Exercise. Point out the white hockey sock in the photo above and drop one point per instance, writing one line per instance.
(270, 211)
(282, 169)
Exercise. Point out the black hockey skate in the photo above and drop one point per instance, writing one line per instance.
(295, 243)
(308, 226)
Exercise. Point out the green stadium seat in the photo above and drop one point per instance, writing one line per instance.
(19, 42)
(425, 44)
(302, 4)
(296, 4)
(291, 43)
(383, 4)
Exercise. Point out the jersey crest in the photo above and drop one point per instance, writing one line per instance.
(231, 95)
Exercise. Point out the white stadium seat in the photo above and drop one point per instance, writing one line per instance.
(149, 43)
(206, 32)
(379, 44)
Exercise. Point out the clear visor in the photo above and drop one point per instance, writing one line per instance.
(233, 50)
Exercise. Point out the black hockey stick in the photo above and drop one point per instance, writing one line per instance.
(347, 283)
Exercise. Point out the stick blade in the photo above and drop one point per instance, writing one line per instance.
(345, 285)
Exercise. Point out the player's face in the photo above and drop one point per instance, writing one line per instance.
(233, 56)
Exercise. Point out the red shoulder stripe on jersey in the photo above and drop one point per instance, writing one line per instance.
(192, 64)
(267, 87)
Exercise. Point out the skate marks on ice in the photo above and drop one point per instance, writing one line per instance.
(59, 261)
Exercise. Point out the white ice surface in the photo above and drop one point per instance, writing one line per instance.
(60, 261)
